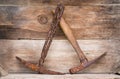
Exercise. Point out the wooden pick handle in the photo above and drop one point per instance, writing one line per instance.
(69, 34)
(84, 62)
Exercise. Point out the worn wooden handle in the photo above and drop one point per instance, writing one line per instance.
(69, 34)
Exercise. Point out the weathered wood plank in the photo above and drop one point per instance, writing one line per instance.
(80, 76)
(3, 72)
(30, 50)
(88, 22)
(13, 2)
(88, 33)
(73, 2)
(15, 33)
(55, 2)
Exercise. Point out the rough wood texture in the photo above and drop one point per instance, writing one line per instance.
(3, 72)
(13, 2)
(61, 52)
(55, 2)
(71, 38)
(81, 76)
(73, 2)
(87, 22)
(92, 19)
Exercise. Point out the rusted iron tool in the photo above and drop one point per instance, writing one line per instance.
(37, 68)
(83, 60)
(56, 19)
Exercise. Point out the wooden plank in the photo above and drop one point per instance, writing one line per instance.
(87, 22)
(55, 2)
(3, 72)
(13, 2)
(30, 50)
(80, 76)
(88, 33)
(73, 2)
(15, 33)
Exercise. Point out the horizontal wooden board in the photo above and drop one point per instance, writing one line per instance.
(14, 2)
(61, 55)
(81, 76)
(89, 33)
(73, 2)
(87, 22)
(55, 2)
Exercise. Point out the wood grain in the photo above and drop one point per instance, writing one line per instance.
(95, 22)
(82, 76)
(13, 2)
(61, 55)
(3, 72)
(55, 2)
(73, 2)
(87, 22)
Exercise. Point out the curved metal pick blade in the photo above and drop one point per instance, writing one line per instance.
(40, 69)
(84, 65)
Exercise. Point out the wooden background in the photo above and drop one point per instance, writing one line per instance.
(95, 23)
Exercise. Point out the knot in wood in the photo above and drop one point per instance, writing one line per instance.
(42, 19)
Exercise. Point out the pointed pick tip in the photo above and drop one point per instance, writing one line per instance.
(85, 65)
(94, 60)
(17, 57)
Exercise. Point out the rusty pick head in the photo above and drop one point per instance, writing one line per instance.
(40, 69)
(84, 65)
